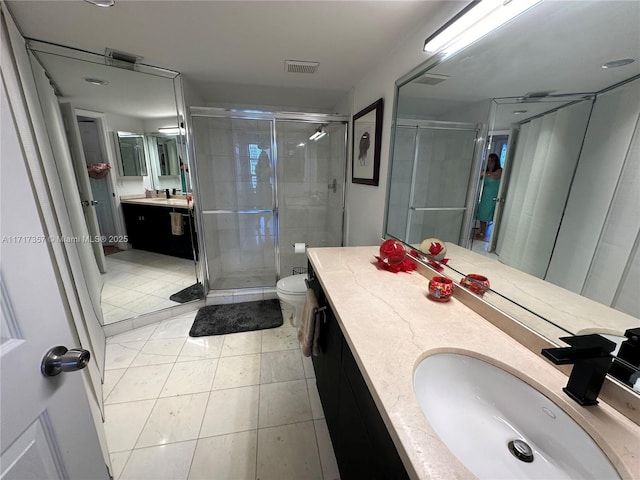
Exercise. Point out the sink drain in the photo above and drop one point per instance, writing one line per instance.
(521, 450)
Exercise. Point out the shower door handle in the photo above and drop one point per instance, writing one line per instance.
(333, 185)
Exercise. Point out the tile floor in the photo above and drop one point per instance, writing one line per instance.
(139, 282)
(229, 407)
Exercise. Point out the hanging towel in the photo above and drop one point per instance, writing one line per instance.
(309, 329)
(176, 223)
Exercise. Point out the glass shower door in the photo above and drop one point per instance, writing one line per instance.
(235, 163)
(444, 154)
(310, 187)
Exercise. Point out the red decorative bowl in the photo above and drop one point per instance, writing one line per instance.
(440, 289)
(392, 252)
(475, 283)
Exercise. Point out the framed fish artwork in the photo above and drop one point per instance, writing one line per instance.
(366, 139)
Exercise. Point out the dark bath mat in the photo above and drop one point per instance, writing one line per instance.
(236, 317)
(194, 292)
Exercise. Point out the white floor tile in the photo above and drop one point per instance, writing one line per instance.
(200, 348)
(118, 461)
(121, 354)
(139, 334)
(232, 410)
(190, 377)
(276, 339)
(283, 403)
(174, 419)
(124, 422)
(314, 399)
(325, 448)
(288, 452)
(242, 343)
(117, 314)
(173, 328)
(165, 462)
(157, 352)
(309, 371)
(111, 378)
(140, 383)
(231, 457)
(281, 366)
(238, 371)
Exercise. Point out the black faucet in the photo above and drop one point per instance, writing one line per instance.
(591, 357)
(625, 365)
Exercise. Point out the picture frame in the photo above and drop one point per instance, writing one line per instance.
(365, 144)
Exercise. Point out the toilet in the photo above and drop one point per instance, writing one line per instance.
(292, 291)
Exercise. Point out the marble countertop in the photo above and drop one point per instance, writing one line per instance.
(176, 202)
(391, 325)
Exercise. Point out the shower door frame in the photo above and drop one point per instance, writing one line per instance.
(476, 161)
(273, 117)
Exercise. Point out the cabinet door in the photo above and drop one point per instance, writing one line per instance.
(382, 453)
(327, 364)
(352, 445)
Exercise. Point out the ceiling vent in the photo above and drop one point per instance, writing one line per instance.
(119, 59)
(297, 66)
(431, 79)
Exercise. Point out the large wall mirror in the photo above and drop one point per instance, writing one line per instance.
(123, 125)
(555, 95)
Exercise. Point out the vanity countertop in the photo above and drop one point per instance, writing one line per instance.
(391, 325)
(175, 202)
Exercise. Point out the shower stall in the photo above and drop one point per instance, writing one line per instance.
(266, 181)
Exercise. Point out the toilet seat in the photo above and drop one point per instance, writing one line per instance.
(292, 285)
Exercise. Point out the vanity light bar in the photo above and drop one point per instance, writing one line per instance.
(171, 130)
(474, 22)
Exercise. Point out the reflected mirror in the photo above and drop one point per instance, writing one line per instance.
(133, 161)
(132, 179)
(563, 123)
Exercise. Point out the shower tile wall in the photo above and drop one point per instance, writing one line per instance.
(309, 212)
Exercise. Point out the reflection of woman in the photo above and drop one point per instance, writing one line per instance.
(491, 183)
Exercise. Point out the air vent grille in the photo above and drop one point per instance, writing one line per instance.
(431, 79)
(297, 66)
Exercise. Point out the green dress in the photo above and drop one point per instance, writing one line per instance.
(487, 204)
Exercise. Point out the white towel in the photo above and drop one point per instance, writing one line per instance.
(309, 329)
(176, 223)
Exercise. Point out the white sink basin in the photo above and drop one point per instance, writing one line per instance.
(477, 409)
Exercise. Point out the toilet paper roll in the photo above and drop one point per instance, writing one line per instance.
(299, 247)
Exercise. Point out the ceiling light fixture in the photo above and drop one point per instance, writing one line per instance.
(519, 112)
(318, 134)
(619, 63)
(473, 23)
(101, 3)
(96, 81)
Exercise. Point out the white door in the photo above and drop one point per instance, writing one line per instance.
(86, 196)
(47, 429)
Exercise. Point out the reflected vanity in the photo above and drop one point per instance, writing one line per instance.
(134, 105)
(561, 254)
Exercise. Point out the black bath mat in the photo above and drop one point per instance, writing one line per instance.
(236, 317)
(194, 292)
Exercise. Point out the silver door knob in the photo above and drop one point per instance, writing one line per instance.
(59, 359)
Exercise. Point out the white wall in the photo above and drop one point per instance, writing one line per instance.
(366, 204)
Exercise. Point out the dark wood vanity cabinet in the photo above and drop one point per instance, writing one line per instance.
(149, 228)
(361, 442)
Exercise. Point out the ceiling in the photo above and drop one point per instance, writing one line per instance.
(557, 46)
(234, 51)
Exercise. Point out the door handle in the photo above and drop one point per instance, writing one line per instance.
(59, 359)
(86, 203)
